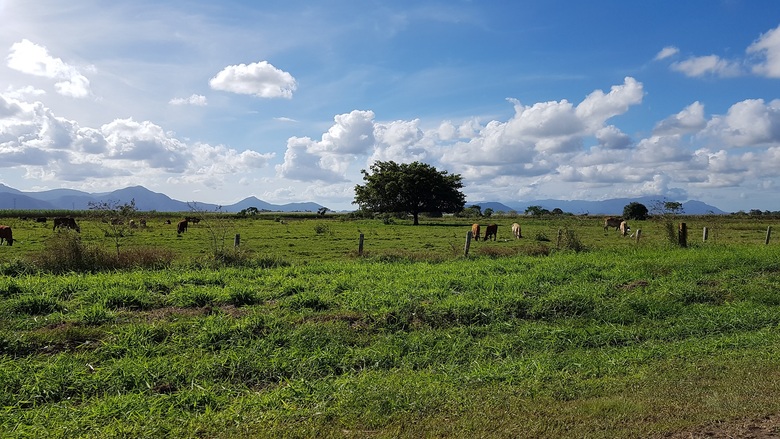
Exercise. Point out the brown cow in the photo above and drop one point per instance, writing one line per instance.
(491, 230)
(475, 231)
(66, 222)
(6, 235)
(517, 231)
(612, 221)
(181, 227)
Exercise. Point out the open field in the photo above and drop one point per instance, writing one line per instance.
(525, 338)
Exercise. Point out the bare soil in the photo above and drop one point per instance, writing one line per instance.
(767, 427)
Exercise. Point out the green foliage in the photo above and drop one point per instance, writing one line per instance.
(553, 346)
(411, 188)
(635, 211)
(536, 211)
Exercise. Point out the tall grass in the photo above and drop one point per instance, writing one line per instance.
(622, 340)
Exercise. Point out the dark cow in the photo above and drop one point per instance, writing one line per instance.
(475, 231)
(181, 227)
(612, 221)
(192, 219)
(66, 222)
(6, 235)
(40, 219)
(491, 230)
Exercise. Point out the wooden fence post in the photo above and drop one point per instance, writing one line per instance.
(237, 240)
(360, 245)
(768, 234)
(638, 234)
(560, 236)
(468, 244)
(704, 234)
(682, 235)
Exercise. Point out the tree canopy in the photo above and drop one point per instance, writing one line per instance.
(635, 211)
(411, 188)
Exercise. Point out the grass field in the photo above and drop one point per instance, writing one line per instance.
(595, 335)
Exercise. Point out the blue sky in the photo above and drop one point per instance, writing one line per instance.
(288, 100)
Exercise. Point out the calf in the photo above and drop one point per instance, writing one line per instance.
(517, 231)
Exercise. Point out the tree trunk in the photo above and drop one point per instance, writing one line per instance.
(416, 215)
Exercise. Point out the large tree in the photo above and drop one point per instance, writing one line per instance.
(411, 188)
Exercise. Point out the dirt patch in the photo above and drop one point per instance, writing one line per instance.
(767, 427)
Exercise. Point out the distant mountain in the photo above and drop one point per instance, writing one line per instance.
(605, 207)
(145, 200)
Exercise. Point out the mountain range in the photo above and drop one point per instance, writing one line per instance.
(146, 200)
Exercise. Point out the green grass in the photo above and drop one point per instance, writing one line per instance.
(305, 338)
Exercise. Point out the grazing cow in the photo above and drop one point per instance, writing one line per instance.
(6, 235)
(192, 219)
(612, 221)
(517, 231)
(475, 231)
(66, 222)
(181, 227)
(624, 229)
(491, 230)
(40, 219)
(167, 221)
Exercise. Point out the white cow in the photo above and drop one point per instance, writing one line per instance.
(516, 231)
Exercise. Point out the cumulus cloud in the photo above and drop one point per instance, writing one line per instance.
(259, 79)
(54, 148)
(689, 120)
(196, 100)
(768, 47)
(28, 57)
(710, 65)
(748, 123)
(302, 165)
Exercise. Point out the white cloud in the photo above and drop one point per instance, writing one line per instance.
(712, 65)
(196, 100)
(259, 79)
(689, 120)
(302, 165)
(667, 52)
(748, 123)
(52, 148)
(28, 57)
(768, 46)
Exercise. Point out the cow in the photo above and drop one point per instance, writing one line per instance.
(66, 222)
(40, 219)
(181, 227)
(6, 235)
(517, 231)
(475, 231)
(192, 219)
(624, 229)
(491, 230)
(612, 221)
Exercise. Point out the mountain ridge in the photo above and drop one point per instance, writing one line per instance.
(147, 200)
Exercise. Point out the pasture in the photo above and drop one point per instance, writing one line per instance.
(595, 335)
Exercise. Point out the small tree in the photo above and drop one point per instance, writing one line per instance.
(410, 188)
(322, 211)
(114, 219)
(635, 211)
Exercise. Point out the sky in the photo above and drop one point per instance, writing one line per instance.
(289, 101)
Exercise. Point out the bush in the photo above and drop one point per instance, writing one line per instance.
(64, 252)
